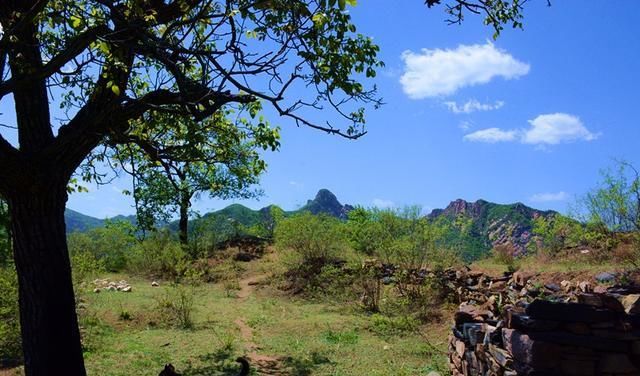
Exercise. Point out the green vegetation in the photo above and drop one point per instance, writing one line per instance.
(219, 158)
(10, 341)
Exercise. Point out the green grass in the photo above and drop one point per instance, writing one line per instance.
(312, 338)
(533, 263)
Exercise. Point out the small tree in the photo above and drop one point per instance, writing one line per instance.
(182, 159)
(557, 232)
(614, 206)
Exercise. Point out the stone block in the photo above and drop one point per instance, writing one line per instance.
(526, 350)
(617, 363)
(569, 312)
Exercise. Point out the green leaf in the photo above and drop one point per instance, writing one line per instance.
(76, 22)
(115, 89)
(342, 4)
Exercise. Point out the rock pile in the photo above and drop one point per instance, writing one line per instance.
(516, 326)
(106, 285)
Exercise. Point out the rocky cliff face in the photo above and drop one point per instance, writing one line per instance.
(495, 224)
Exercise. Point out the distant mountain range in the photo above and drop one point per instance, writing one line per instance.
(488, 224)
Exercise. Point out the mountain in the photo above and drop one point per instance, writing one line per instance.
(76, 221)
(79, 222)
(327, 203)
(489, 224)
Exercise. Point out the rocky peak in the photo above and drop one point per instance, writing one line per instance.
(326, 202)
(461, 207)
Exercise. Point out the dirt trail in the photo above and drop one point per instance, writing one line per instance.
(263, 364)
(247, 285)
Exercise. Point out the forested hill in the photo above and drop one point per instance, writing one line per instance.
(484, 224)
(76, 221)
(487, 224)
(324, 202)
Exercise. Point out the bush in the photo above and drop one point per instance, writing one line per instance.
(314, 238)
(158, 256)
(504, 254)
(315, 252)
(84, 266)
(10, 340)
(110, 244)
(176, 306)
(386, 326)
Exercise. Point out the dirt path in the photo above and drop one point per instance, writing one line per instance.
(247, 285)
(263, 364)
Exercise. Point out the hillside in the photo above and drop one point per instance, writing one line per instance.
(488, 224)
(76, 221)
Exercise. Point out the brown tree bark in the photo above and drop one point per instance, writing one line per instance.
(50, 335)
(185, 203)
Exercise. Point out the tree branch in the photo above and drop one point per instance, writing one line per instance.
(73, 49)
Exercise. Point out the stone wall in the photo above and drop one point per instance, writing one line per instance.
(526, 328)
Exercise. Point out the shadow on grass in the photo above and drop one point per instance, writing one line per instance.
(218, 363)
(305, 366)
(222, 363)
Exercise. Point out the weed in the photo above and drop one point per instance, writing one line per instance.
(347, 337)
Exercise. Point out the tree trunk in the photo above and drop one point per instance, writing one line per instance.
(50, 335)
(185, 203)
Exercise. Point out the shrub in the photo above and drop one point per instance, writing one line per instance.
(505, 254)
(84, 265)
(387, 326)
(176, 306)
(314, 251)
(10, 340)
(313, 237)
(159, 256)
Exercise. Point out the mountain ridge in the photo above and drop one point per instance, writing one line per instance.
(490, 224)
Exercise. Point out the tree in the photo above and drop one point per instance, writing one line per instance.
(614, 207)
(107, 63)
(615, 203)
(216, 156)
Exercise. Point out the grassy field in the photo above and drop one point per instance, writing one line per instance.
(280, 334)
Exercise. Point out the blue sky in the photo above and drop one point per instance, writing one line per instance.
(531, 117)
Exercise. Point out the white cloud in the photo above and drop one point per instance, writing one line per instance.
(296, 184)
(547, 129)
(472, 105)
(549, 197)
(465, 125)
(555, 128)
(437, 72)
(383, 204)
(491, 135)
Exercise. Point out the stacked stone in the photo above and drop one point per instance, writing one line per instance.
(597, 335)
(107, 285)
